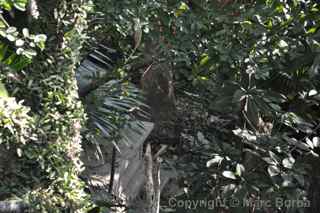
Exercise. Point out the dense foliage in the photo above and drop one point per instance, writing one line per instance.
(246, 80)
(253, 69)
(48, 159)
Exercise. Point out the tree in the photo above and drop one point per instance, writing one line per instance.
(48, 157)
(233, 88)
(249, 60)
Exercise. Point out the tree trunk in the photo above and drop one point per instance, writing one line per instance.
(152, 186)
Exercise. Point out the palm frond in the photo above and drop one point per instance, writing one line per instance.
(116, 109)
(113, 106)
(96, 69)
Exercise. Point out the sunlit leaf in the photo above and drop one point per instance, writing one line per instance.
(273, 170)
(3, 91)
(229, 174)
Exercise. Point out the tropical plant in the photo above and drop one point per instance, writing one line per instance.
(44, 177)
(246, 78)
(111, 102)
(251, 66)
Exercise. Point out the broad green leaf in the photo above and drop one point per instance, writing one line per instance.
(274, 157)
(288, 162)
(3, 25)
(204, 60)
(19, 43)
(181, 10)
(309, 143)
(30, 53)
(316, 141)
(313, 92)
(216, 160)
(239, 169)
(229, 174)
(39, 38)
(273, 170)
(3, 51)
(19, 152)
(312, 30)
(25, 32)
(3, 91)
(6, 5)
(20, 4)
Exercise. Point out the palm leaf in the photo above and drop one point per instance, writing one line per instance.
(115, 108)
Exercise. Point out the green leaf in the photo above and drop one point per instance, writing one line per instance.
(6, 5)
(3, 51)
(288, 162)
(274, 157)
(25, 32)
(20, 4)
(312, 30)
(216, 160)
(273, 170)
(182, 9)
(239, 169)
(316, 141)
(19, 152)
(3, 24)
(12, 59)
(39, 38)
(3, 91)
(11, 30)
(204, 60)
(19, 43)
(229, 174)
(30, 53)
